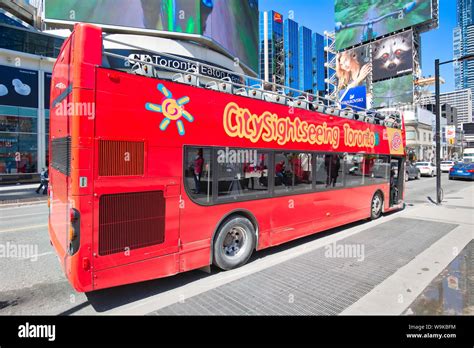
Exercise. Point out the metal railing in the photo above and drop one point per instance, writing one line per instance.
(259, 89)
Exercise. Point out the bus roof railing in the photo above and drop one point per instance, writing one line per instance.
(261, 89)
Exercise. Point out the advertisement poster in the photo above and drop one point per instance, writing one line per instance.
(392, 56)
(18, 87)
(355, 98)
(364, 20)
(353, 67)
(215, 19)
(396, 91)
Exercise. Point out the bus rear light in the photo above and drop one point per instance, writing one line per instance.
(73, 215)
(74, 231)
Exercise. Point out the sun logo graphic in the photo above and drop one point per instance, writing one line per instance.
(172, 109)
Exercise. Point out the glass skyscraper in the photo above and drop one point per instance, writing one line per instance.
(305, 60)
(290, 34)
(463, 44)
(318, 60)
(291, 55)
(271, 50)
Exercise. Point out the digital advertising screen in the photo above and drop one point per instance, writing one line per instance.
(233, 24)
(393, 92)
(353, 67)
(359, 21)
(18, 87)
(392, 56)
(166, 15)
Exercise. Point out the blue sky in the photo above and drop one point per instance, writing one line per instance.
(318, 15)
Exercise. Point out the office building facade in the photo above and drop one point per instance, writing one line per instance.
(26, 62)
(463, 44)
(460, 99)
(305, 62)
(271, 49)
(291, 55)
(290, 42)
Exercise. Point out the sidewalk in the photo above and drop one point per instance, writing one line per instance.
(402, 254)
(18, 194)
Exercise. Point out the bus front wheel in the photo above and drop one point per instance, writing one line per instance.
(234, 243)
(376, 206)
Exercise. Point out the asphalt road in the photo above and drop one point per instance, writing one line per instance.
(38, 286)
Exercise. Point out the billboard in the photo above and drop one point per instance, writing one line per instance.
(353, 67)
(355, 98)
(392, 92)
(233, 24)
(363, 20)
(450, 132)
(392, 56)
(18, 87)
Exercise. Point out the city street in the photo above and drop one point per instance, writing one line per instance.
(399, 241)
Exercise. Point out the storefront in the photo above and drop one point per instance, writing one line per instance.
(25, 81)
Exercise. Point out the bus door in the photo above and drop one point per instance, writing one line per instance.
(397, 180)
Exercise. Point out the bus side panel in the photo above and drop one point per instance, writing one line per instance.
(61, 88)
(139, 271)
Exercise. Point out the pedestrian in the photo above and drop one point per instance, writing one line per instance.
(44, 178)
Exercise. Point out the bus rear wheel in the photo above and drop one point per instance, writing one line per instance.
(376, 206)
(234, 243)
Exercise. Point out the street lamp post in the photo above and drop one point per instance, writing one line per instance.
(438, 121)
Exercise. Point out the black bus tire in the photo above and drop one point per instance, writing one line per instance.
(234, 243)
(376, 206)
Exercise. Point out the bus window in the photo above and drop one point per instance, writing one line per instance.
(329, 171)
(354, 170)
(293, 171)
(241, 173)
(198, 174)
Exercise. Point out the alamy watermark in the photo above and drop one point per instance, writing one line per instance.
(351, 251)
(83, 109)
(240, 156)
(20, 251)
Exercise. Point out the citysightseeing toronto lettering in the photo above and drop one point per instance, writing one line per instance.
(240, 122)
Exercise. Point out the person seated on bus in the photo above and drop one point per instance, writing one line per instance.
(280, 171)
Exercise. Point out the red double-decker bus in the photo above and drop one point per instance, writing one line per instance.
(151, 177)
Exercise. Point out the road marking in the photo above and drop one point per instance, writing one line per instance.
(14, 216)
(23, 228)
(9, 206)
(36, 256)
